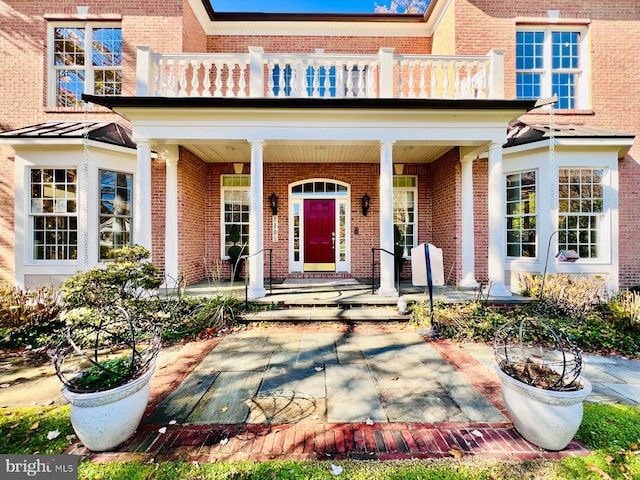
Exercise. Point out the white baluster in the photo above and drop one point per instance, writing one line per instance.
(457, 93)
(206, 78)
(423, 80)
(411, 93)
(361, 74)
(327, 78)
(316, 79)
(293, 79)
(218, 80)
(270, 84)
(182, 84)
(154, 88)
(231, 67)
(349, 83)
(242, 82)
(445, 80)
(281, 82)
(195, 82)
(434, 79)
(171, 80)
(480, 80)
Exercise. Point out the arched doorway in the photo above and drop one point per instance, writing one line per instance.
(319, 219)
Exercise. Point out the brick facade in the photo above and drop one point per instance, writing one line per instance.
(468, 27)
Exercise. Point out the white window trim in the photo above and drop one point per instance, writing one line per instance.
(415, 206)
(30, 241)
(583, 97)
(99, 214)
(536, 215)
(223, 189)
(605, 217)
(88, 67)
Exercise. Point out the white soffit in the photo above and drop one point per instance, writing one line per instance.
(315, 28)
(319, 29)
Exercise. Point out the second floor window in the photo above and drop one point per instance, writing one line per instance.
(86, 58)
(548, 62)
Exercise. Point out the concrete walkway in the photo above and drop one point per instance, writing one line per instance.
(332, 394)
(324, 391)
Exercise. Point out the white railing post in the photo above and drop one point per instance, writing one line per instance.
(256, 79)
(496, 74)
(143, 71)
(386, 72)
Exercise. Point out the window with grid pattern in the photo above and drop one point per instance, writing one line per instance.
(53, 211)
(115, 210)
(580, 208)
(235, 204)
(548, 63)
(405, 195)
(521, 214)
(87, 58)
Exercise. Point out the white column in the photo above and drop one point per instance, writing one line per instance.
(144, 83)
(142, 196)
(386, 72)
(256, 224)
(468, 279)
(171, 219)
(387, 263)
(496, 202)
(256, 80)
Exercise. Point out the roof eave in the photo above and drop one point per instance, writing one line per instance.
(115, 102)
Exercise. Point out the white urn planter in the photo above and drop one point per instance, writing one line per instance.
(103, 420)
(546, 418)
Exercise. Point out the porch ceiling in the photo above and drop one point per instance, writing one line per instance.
(316, 152)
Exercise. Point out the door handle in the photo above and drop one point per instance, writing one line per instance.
(333, 240)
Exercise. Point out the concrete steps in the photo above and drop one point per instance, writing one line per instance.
(328, 314)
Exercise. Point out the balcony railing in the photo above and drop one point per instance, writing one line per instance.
(257, 74)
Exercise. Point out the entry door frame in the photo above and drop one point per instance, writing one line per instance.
(304, 190)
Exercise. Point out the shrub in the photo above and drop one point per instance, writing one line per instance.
(465, 321)
(564, 295)
(129, 277)
(29, 316)
(190, 316)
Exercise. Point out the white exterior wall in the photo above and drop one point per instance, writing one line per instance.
(34, 273)
(606, 266)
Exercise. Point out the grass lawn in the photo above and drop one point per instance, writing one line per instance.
(612, 430)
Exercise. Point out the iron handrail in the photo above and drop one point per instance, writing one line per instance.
(396, 268)
(246, 273)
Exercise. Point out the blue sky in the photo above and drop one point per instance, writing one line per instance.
(298, 6)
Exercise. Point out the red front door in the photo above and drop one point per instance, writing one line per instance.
(319, 235)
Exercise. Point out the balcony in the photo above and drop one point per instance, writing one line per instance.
(320, 75)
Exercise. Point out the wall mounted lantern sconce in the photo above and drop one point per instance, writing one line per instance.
(273, 203)
(365, 203)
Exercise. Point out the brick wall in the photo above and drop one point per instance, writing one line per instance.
(192, 213)
(158, 208)
(308, 44)
(362, 178)
(481, 218)
(7, 263)
(447, 210)
(613, 26)
(194, 38)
